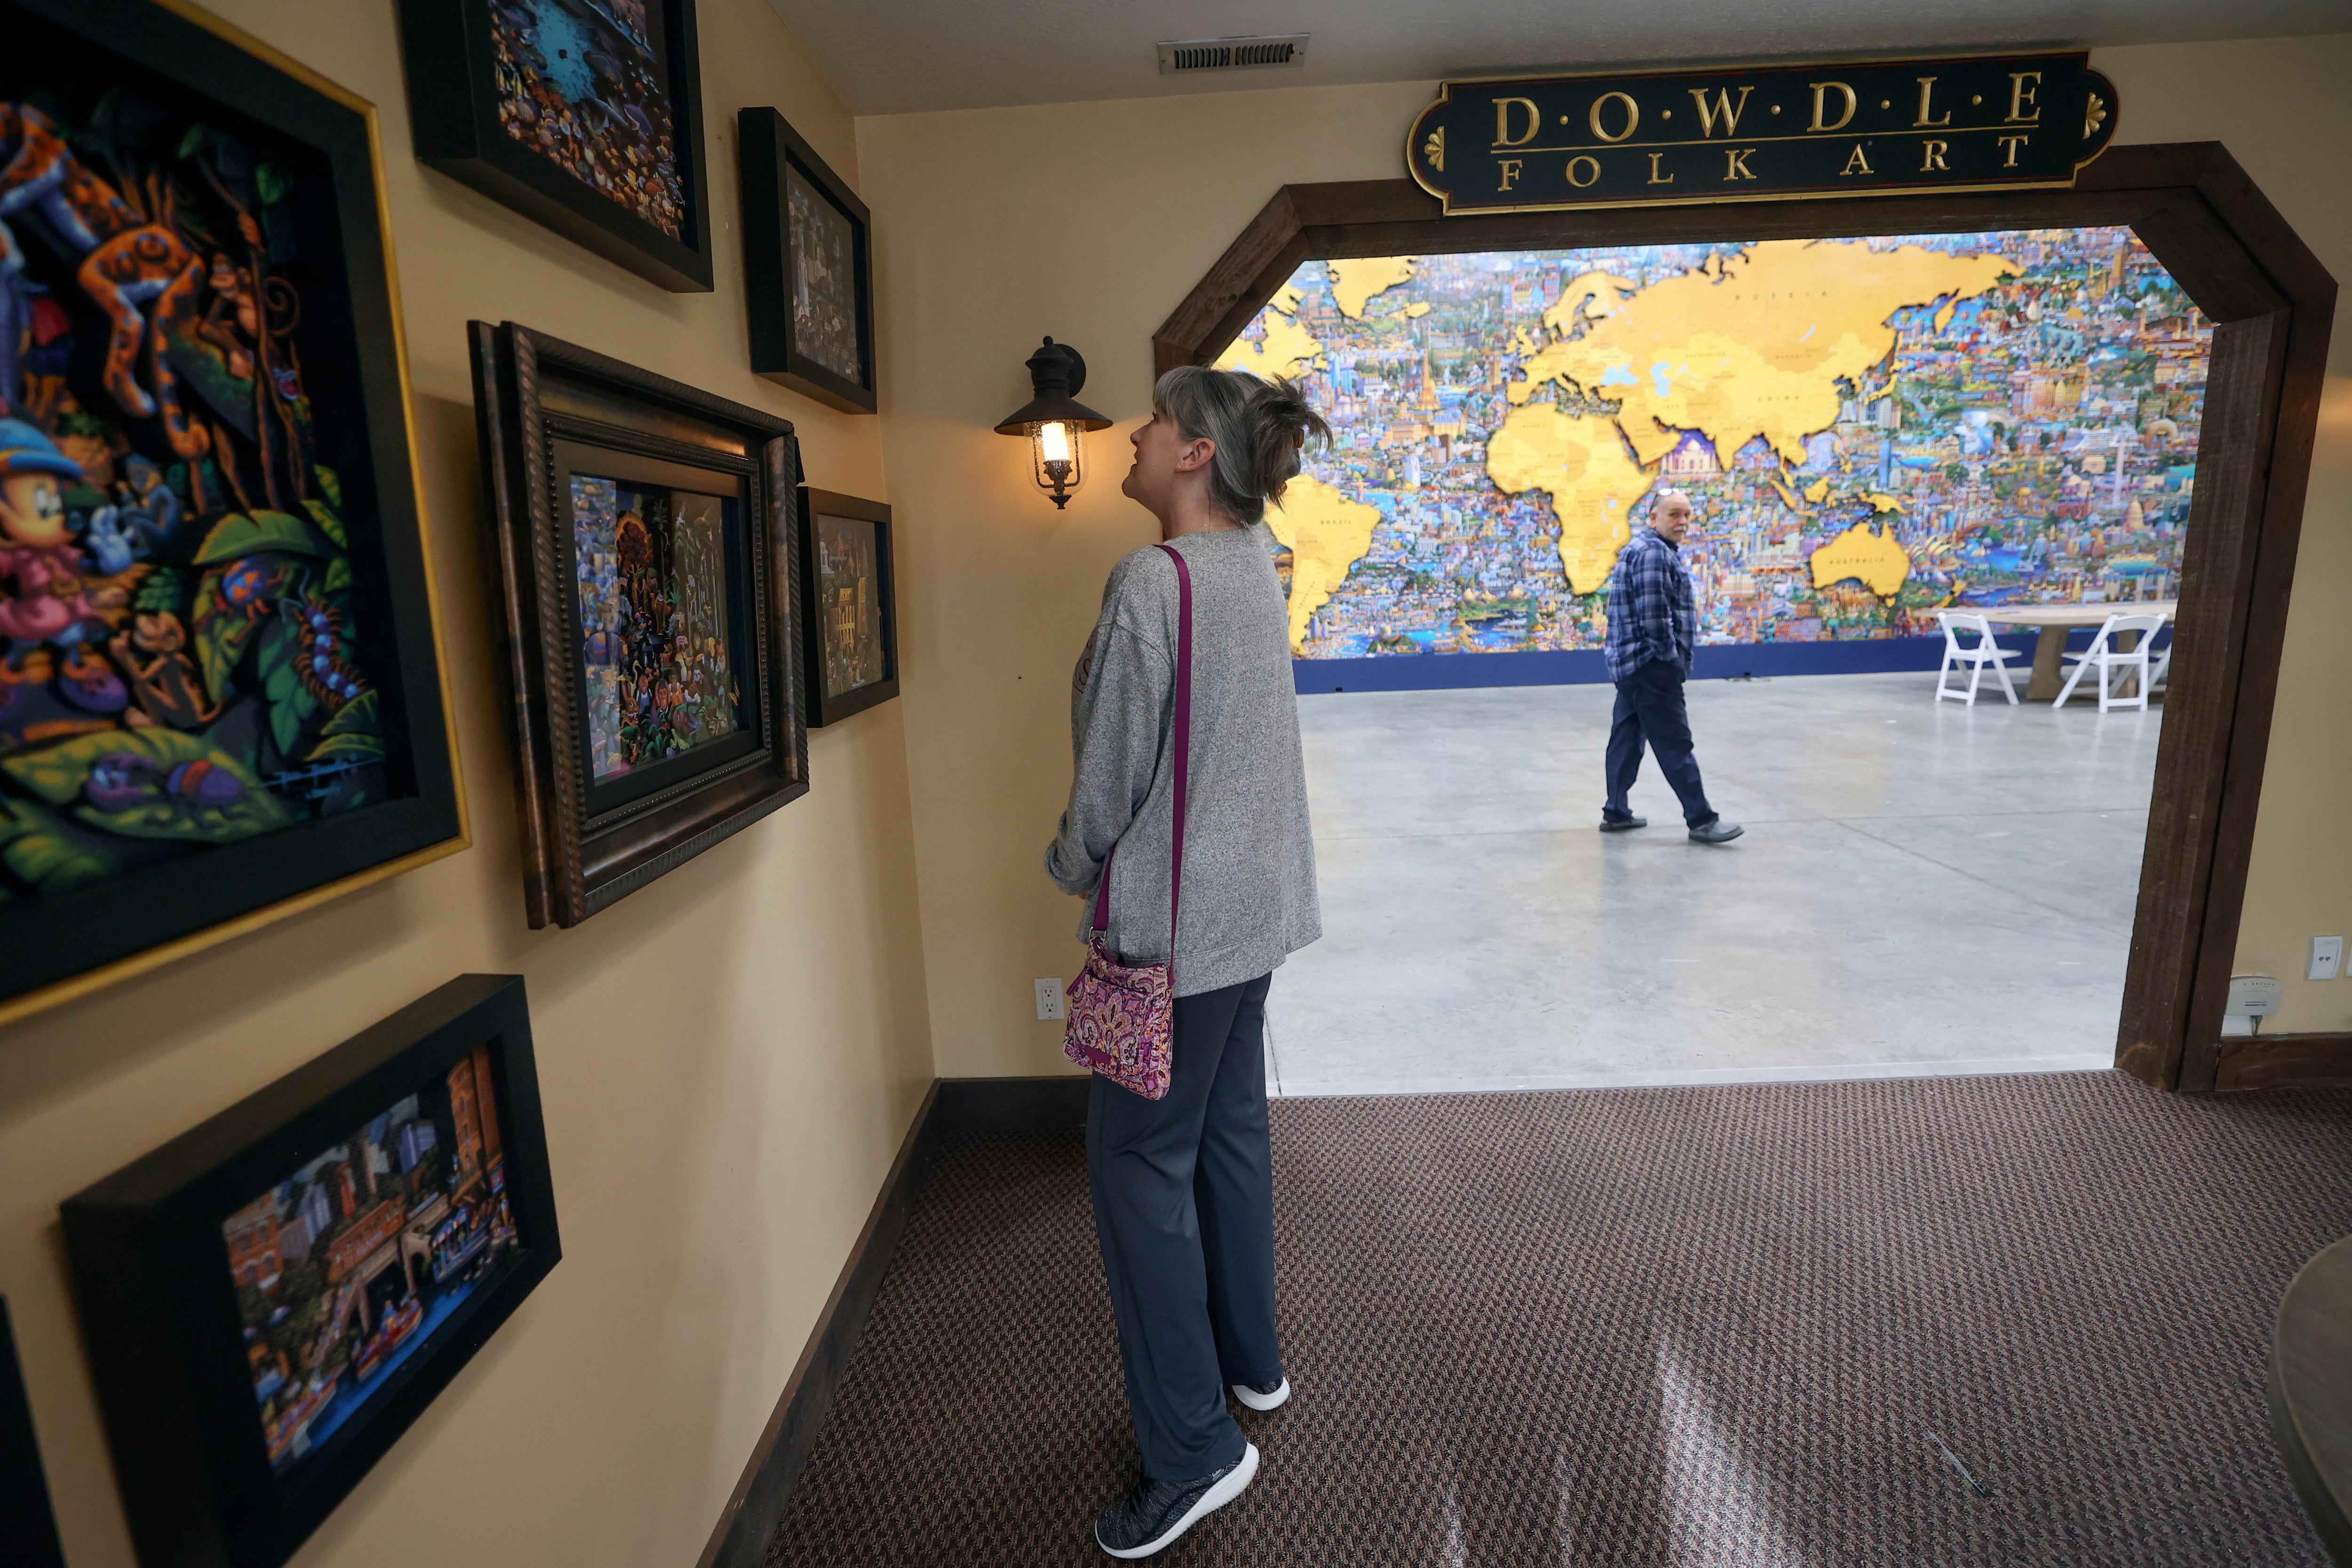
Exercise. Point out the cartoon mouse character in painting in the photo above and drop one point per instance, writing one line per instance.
(42, 600)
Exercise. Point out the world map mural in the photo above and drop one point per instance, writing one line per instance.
(1870, 429)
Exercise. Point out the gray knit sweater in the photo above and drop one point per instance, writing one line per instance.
(1249, 857)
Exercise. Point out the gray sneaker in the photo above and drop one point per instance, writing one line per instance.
(1716, 832)
(1623, 824)
(1154, 1513)
(1263, 1396)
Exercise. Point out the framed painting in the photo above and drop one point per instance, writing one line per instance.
(849, 606)
(221, 691)
(583, 115)
(648, 558)
(808, 267)
(269, 1299)
(28, 1525)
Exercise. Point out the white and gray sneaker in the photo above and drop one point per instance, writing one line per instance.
(1263, 1396)
(1154, 1513)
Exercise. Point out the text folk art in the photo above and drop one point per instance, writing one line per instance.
(1540, 144)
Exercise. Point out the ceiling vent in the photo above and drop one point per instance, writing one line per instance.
(1233, 54)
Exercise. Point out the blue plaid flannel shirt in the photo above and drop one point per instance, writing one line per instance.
(1653, 614)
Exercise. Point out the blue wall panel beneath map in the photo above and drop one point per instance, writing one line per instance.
(1871, 430)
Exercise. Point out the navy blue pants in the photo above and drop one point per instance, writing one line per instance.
(1650, 708)
(1184, 1192)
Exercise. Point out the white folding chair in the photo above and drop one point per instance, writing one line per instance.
(1977, 656)
(2107, 655)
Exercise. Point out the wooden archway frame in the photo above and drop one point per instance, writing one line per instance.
(2271, 304)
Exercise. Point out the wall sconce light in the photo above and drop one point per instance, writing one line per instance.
(1053, 420)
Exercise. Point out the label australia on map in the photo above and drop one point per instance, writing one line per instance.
(1870, 429)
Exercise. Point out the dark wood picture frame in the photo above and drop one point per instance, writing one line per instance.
(826, 706)
(543, 406)
(352, 374)
(450, 50)
(159, 1303)
(2271, 304)
(772, 156)
(28, 1524)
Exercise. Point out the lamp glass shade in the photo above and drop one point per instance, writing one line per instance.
(1056, 457)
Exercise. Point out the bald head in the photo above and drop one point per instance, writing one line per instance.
(1670, 515)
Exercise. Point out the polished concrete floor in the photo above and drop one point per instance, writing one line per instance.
(1923, 889)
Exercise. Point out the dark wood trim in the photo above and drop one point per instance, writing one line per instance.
(1013, 1104)
(951, 1106)
(2273, 305)
(2284, 1061)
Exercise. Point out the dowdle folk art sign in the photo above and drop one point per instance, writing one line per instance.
(1547, 143)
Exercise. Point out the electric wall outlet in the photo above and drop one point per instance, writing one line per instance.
(2327, 958)
(1049, 997)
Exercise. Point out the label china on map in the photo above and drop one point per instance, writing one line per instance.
(1870, 429)
(1547, 143)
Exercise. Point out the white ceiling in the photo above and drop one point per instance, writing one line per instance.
(898, 56)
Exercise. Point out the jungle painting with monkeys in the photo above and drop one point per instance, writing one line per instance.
(179, 663)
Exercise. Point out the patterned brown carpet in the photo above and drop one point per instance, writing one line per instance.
(1709, 1326)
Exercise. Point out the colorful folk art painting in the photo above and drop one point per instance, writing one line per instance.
(849, 603)
(179, 663)
(582, 84)
(825, 280)
(655, 621)
(351, 1265)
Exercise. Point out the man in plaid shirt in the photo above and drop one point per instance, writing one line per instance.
(1653, 627)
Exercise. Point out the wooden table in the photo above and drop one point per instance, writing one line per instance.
(2311, 1393)
(2054, 621)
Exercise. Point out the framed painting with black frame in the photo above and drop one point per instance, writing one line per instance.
(585, 118)
(808, 267)
(648, 562)
(269, 1299)
(221, 690)
(28, 1525)
(849, 604)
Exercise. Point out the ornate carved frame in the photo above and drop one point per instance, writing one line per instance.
(532, 393)
(2271, 304)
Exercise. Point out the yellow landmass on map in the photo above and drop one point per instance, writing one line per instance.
(1752, 344)
(1873, 557)
(1287, 349)
(1880, 501)
(1327, 534)
(1355, 281)
(1818, 491)
(1584, 468)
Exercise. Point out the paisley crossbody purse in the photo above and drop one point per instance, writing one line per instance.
(1121, 1019)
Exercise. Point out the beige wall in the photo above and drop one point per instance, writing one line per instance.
(729, 1057)
(1091, 221)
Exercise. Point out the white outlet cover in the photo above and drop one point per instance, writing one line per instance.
(1049, 997)
(2327, 958)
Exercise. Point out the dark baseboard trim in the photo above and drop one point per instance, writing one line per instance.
(951, 1105)
(1013, 1104)
(2284, 1061)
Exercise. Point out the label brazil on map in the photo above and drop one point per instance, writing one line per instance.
(1871, 429)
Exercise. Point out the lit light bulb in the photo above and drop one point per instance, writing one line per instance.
(1054, 442)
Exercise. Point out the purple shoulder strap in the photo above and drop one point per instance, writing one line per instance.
(1183, 727)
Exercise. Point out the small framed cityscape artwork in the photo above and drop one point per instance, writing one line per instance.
(28, 1525)
(220, 679)
(849, 607)
(583, 115)
(648, 555)
(807, 267)
(271, 1298)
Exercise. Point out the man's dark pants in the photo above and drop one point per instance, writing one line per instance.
(1650, 708)
(1183, 1195)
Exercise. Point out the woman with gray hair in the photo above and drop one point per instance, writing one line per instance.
(1183, 1186)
